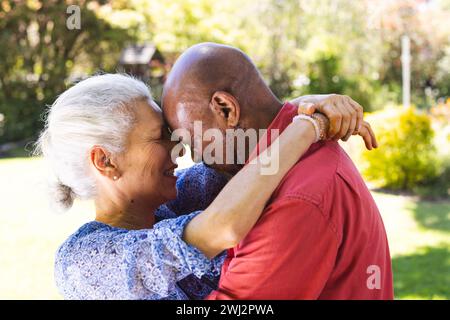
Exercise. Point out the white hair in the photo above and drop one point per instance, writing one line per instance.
(95, 111)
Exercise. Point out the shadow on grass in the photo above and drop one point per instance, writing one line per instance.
(433, 214)
(423, 275)
(429, 214)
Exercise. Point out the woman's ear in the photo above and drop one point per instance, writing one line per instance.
(103, 163)
(227, 107)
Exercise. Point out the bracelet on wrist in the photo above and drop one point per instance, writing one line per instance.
(312, 121)
(324, 124)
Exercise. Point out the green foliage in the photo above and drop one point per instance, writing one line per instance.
(436, 187)
(406, 156)
(40, 54)
(332, 46)
(324, 74)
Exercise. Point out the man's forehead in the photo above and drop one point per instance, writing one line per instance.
(182, 110)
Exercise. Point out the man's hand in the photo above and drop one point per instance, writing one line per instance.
(345, 115)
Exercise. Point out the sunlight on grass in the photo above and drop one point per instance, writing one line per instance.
(419, 239)
(405, 232)
(30, 234)
(423, 274)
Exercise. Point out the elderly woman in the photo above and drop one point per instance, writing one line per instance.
(105, 139)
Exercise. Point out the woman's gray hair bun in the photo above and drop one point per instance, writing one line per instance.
(95, 111)
(61, 196)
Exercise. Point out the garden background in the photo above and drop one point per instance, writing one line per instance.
(301, 47)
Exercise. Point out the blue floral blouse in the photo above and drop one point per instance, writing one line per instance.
(103, 262)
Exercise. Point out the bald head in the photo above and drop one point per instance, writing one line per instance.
(206, 68)
(220, 86)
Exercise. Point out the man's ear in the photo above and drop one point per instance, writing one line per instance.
(227, 107)
(103, 163)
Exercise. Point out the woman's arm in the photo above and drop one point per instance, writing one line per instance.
(238, 206)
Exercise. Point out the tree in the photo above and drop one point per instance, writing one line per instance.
(39, 53)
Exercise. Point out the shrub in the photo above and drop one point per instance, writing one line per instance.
(437, 187)
(406, 156)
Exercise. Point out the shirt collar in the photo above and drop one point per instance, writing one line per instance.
(284, 117)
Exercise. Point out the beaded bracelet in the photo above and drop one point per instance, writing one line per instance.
(312, 120)
(324, 124)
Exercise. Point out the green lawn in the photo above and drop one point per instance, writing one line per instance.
(419, 235)
(419, 239)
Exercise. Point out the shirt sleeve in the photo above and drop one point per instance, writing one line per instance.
(161, 257)
(289, 254)
(197, 187)
(111, 263)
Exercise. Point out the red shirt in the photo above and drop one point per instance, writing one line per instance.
(321, 235)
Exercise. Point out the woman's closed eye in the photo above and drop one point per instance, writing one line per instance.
(157, 136)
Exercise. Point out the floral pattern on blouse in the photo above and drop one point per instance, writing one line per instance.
(103, 262)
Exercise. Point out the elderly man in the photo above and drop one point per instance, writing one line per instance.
(321, 235)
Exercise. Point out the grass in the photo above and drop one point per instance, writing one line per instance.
(418, 232)
(419, 239)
